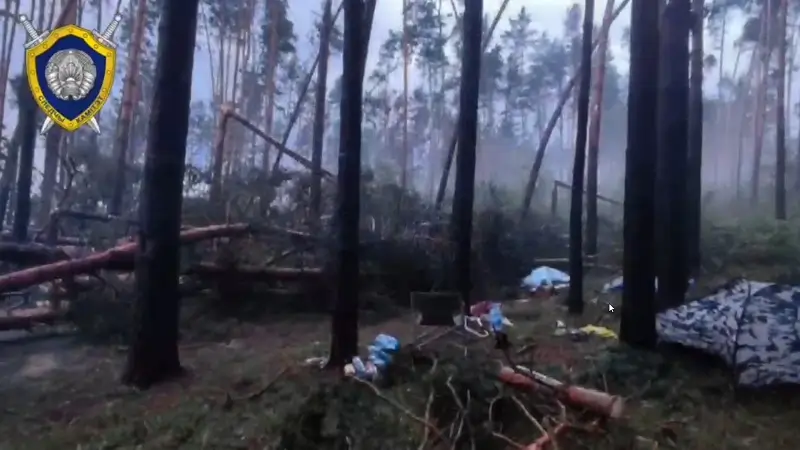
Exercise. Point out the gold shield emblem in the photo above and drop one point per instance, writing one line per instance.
(71, 74)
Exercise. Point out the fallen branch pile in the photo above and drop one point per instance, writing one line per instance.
(431, 400)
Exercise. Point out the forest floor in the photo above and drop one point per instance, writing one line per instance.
(57, 394)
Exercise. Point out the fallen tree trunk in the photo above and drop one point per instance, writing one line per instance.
(259, 273)
(121, 254)
(25, 322)
(30, 254)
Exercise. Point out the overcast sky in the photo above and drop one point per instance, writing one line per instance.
(547, 15)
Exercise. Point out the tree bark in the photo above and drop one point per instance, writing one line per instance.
(695, 173)
(125, 120)
(318, 132)
(780, 125)
(671, 265)
(575, 299)
(344, 326)
(533, 176)
(638, 321)
(153, 354)
(464, 192)
(594, 134)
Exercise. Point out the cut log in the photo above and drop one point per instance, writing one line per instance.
(121, 254)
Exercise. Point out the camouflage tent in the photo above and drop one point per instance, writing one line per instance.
(753, 326)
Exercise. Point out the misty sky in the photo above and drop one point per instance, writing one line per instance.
(547, 15)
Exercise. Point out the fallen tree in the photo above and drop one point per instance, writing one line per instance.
(254, 272)
(122, 254)
(30, 253)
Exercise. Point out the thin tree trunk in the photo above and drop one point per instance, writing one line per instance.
(594, 134)
(566, 94)
(780, 127)
(764, 44)
(451, 148)
(575, 299)
(318, 133)
(125, 121)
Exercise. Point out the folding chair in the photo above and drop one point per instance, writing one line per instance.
(445, 312)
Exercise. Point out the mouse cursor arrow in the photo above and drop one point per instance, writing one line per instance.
(610, 308)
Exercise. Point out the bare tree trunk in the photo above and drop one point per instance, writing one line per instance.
(344, 327)
(695, 172)
(125, 120)
(780, 128)
(318, 136)
(575, 299)
(594, 134)
(760, 112)
(533, 176)
(464, 192)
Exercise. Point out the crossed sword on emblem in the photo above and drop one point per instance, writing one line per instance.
(36, 38)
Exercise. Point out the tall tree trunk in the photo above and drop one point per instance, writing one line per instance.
(695, 172)
(765, 46)
(272, 70)
(575, 299)
(464, 191)
(318, 133)
(565, 95)
(451, 148)
(153, 353)
(780, 120)
(404, 156)
(594, 134)
(671, 264)
(344, 327)
(125, 120)
(637, 315)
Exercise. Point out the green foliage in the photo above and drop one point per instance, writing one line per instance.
(756, 243)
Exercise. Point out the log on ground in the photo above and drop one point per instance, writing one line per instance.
(117, 255)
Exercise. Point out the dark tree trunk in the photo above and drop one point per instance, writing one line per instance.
(318, 134)
(153, 354)
(52, 147)
(673, 130)
(22, 211)
(695, 172)
(464, 191)
(344, 327)
(780, 121)
(637, 322)
(575, 299)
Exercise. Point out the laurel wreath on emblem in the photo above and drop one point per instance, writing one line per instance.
(70, 74)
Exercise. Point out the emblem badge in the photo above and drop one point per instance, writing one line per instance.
(70, 72)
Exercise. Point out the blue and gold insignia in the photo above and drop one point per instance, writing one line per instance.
(70, 72)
